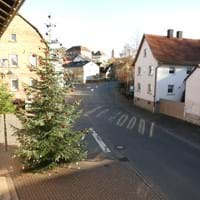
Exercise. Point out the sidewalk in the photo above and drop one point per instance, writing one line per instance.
(100, 179)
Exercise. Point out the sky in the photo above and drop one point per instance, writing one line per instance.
(110, 24)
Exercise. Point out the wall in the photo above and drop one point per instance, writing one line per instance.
(192, 98)
(164, 78)
(172, 108)
(143, 103)
(28, 43)
(90, 71)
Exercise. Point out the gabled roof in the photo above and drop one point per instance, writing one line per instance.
(78, 48)
(85, 58)
(8, 9)
(38, 32)
(75, 64)
(173, 50)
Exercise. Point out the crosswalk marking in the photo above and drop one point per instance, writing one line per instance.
(141, 128)
(115, 116)
(151, 129)
(92, 111)
(102, 113)
(131, 123)
(122, 120)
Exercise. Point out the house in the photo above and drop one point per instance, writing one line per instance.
(161, 65)
(80, 58)
(21, 45)
(192, 97)
(74, 51)
(99, 57)
(82, 71)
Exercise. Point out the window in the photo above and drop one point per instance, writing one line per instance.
(189, 70)
(33, 60)
(13, 37)
(14, 84)
(138, 87)
(13, 60)
(149, 89)
(170, 89)
(145, 53)
(150, 70)
(172, 70)
(139, 70)
(3, 62)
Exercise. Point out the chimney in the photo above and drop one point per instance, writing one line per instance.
(170, 33)
(179, 34)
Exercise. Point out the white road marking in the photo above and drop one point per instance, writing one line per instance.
(92, 111)
(131, 123)
(141, 128)
(122, 120)
(100, 142)
(97, 86)
(88, 87)
(115, 116)
(92, 90)
(151, 129)
(102, 113)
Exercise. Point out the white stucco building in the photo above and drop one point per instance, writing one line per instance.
(82, 71)
(192, 97)
(161, 65)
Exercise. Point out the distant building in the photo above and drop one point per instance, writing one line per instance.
(81, 71)
(74, 51)
(19, 52)
(161, 65)
(99, 57)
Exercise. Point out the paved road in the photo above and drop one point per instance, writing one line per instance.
(165, 151)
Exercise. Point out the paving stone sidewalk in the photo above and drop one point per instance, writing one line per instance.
(99, 179)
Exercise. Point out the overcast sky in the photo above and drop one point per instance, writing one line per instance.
(107, 24)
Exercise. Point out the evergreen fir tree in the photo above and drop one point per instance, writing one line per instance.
(47, 137)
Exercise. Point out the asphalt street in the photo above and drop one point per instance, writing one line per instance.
(165, 151)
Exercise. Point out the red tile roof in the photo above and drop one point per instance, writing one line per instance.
(173, 50)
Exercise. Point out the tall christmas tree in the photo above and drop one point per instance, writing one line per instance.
(47, 137)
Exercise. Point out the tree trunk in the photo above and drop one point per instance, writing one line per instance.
(5, 132)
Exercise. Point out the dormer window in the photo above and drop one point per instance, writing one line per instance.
(145, 53)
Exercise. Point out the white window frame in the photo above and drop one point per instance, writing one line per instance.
(172, 70)
(145, 53)
(189, 69)
(13, 39)
(150, 73)
(33, 63)
(3, 62)
(139, 71)
(11, 84)
(149, 88)
(172, 87)
(138, 87)
(11, 61)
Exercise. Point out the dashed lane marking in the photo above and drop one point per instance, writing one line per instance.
(100, 142)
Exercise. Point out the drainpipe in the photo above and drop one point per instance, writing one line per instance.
(155, 87)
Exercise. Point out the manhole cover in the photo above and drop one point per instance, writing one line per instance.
(120, 147)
